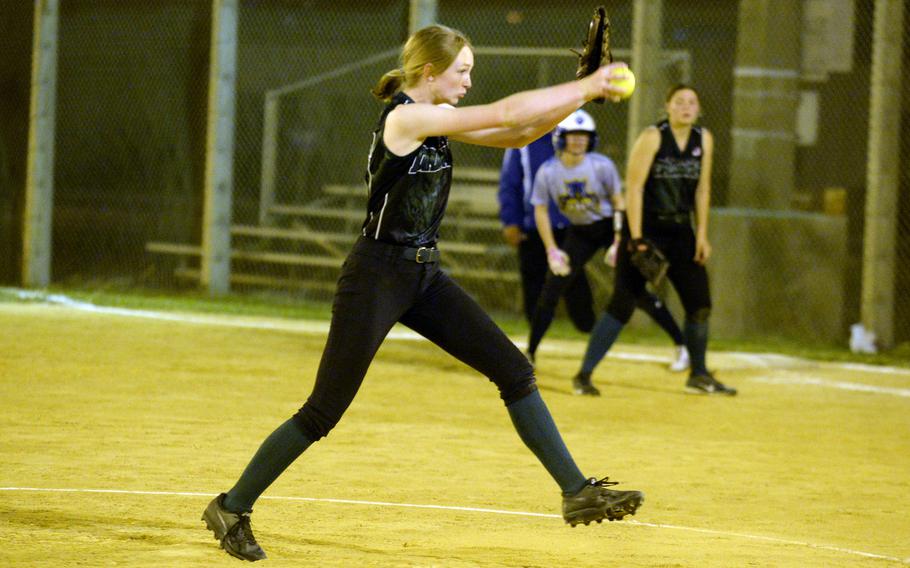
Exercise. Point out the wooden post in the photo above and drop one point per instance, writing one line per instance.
(39, 183)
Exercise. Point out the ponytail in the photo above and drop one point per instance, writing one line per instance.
(388, 85)
(436, 46)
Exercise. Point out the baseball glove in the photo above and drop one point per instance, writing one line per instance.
(649, 261)
(596, 50)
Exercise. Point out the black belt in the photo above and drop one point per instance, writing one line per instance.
(421, 255)
(678, 218)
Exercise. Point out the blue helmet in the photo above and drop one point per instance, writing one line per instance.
(578, 121)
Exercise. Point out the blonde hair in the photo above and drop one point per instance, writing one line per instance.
(437, 45)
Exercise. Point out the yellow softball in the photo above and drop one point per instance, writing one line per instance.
(624, 80)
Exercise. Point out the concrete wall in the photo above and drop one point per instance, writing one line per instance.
(778, 273)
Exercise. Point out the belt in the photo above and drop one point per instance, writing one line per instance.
(421, 255)
(678, 218)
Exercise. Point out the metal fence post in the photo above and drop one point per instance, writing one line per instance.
(422, 14)
(269, 157)
(39, 186)
(219, 182)
(647, 35)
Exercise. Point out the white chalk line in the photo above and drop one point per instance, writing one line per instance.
(760, 360)
(842, 385)
(715, 532)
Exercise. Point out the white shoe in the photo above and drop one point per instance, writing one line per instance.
(681, 363)
(862, 340)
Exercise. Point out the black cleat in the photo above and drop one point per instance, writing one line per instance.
(232, 530)
(581, 384)
(594, 502)
(705, 383)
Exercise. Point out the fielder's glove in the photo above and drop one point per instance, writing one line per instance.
(558, 261)
(596, 50)
(648, 260)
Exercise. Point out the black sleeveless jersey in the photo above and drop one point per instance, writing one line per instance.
(669, 193)
(408, 194)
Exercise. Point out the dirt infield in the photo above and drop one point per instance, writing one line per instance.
(117, 430)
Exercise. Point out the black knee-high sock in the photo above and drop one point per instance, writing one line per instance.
(537, 430)
(658, 311)
(276, 453)
(697, 344)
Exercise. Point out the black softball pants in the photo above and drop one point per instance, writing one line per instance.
(379, 287)
(581, 242)
(532, 260)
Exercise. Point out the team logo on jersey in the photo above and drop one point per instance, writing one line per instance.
(696, 151)
(430, 159)
(575, 198)
(672, 168)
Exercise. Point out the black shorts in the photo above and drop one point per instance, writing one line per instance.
(689, 279)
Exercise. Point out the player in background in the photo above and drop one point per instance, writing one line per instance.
(519, 230)
(392, 275)
(668, 181)
(587, 189)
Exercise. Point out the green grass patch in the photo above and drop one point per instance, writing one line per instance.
(284, 306)
(192, 302)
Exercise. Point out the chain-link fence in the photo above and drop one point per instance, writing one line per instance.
(784, 87)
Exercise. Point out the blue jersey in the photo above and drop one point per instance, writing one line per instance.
(519, 168)
(582, 192)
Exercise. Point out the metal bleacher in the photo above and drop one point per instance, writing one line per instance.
(302, 245)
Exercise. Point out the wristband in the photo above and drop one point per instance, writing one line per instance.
(617, 221)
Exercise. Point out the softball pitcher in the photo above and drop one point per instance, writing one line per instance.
(392, 275)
